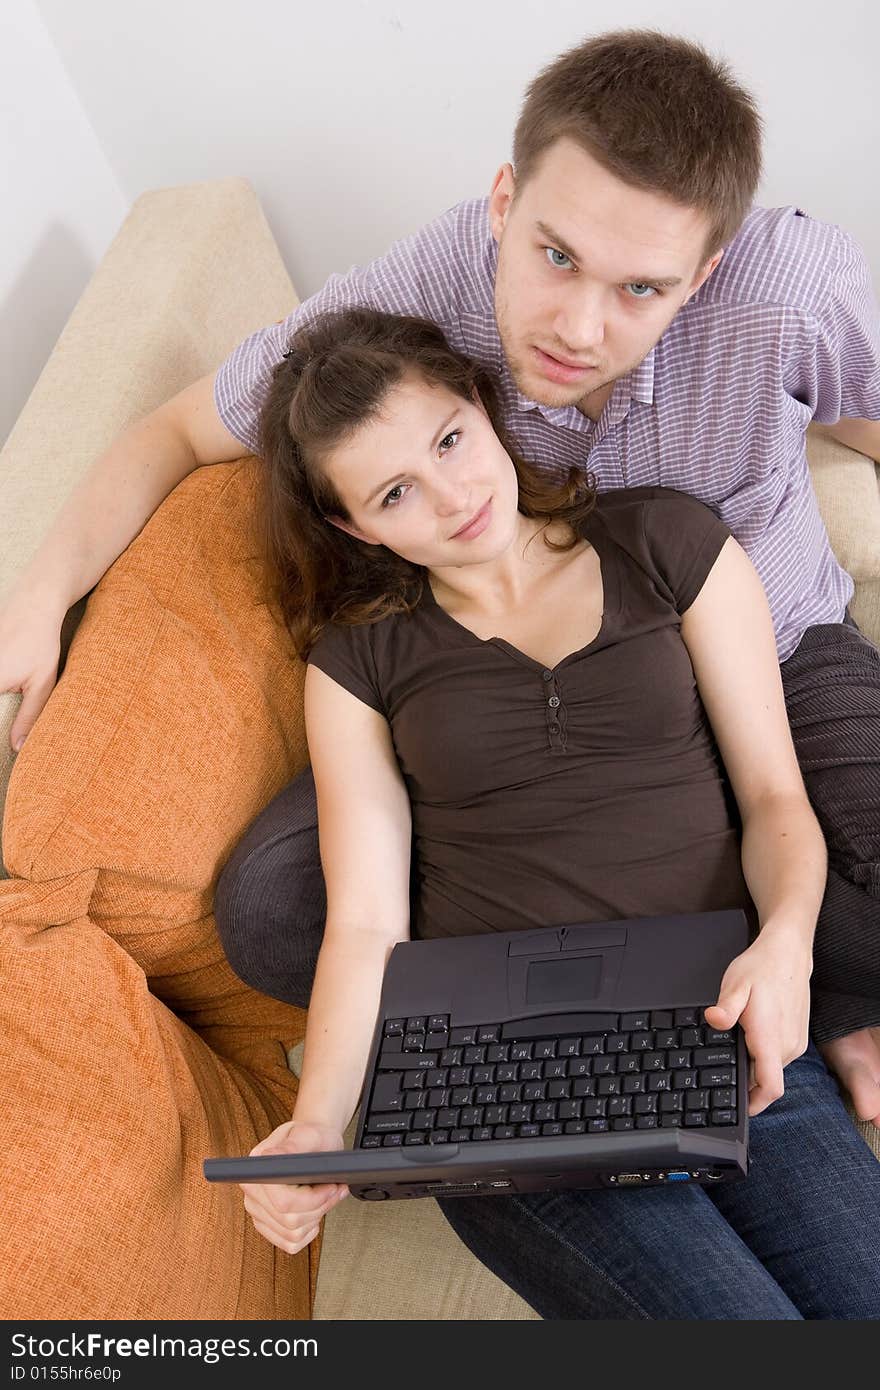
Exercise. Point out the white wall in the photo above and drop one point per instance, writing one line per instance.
(61, 202)
(357, 120)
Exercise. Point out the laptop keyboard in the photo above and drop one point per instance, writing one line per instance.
(598, 1073)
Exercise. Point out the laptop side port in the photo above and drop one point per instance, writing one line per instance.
(678, 1175)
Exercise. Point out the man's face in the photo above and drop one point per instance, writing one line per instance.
(590, 274)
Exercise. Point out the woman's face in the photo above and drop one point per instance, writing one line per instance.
(428, 478)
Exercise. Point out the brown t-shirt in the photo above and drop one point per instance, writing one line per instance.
(587, 792)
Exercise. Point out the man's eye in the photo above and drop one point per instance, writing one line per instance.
(445, 444)
(552, 253)
(394, 495)
(640, 290)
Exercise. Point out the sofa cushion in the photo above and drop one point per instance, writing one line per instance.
(137, 1050)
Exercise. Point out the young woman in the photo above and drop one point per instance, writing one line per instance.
(516, 697)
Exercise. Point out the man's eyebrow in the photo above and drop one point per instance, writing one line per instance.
(431, 447)
(561, 245)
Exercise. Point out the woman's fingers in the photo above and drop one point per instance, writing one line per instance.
(766, 1079)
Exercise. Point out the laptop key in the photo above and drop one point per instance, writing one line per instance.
(546, 1049)
(714, 1056)
(495, 1115)
(718, 1076)
(666, 1037)
(424, 1119)
(462, 1037)
(598, 1126)
(389, 1124)
(552, 1127)
(661, 1018)
(645, 1105)
(584, 1086)
(395, 1027)
(560, 1023)
(640, 1021)
(437, 1076)
(642, 1042)
(531, 1071)
(460, 1136)
(593, 1045)
(610, 1086)
(438, 1136)
(724, 1098)
(646, 1122)
(460, 1076)
(617, 1042)
(579, 1066)
(474, 1054)
(413, 1042)
(462, 1095)
(594, 1109)
(520, 1051)
(392, 1141)
(684, 1080)
(371, 1141)
(416, 1100)
(417, 1137)
(660, 1081)
(723, 1117)
(451, 1057)
(718, 1035)
(569, 1047)
(507, 1094)
(570, 1110)
(679, 1058)
(654, 1061)
(604, 1066)
(693, 1118)
(628, 1062)
(623, 1122)
(684, 1018)
(529, 1131)
(696, 1100)
(498, 1052)
(520, 1114)
(472, 1116)
(507, 1071)
(671, 1102)
(634, 1085)
(481, 1133)
(504, 1132)
(438, 1021)
(671, 1121)
(619, 1105)
(576, 1127)
(558, 1067)
(483, 1076)
(489, 1033)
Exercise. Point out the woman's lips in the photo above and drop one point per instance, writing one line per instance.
(562, 372)
(477, 524)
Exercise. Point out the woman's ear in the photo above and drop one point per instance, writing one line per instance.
(350, 530)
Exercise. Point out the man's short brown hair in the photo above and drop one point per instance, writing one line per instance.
(657, 112)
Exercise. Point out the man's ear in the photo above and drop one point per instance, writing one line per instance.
(349, 530)
(703, 273)
(500, 199)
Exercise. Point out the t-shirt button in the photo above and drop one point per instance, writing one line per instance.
(548, 675)
(554, 728)
(553, 702)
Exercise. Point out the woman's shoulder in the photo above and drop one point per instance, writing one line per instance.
(674, 537)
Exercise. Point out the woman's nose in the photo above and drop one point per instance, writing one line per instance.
(451, 497)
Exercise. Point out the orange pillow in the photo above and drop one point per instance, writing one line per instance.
(177, 718)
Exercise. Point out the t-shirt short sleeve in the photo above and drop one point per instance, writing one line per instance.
(684, 539)
(345, 654)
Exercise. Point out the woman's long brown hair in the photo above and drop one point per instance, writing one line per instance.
(335, 377)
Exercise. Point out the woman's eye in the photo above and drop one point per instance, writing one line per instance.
(394, 495)
(552, 254)
(640, 290)
(448, 440)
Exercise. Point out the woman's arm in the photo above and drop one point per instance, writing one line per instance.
(729, 635)
(365, 831)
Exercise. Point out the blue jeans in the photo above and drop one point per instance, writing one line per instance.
(798, 1238)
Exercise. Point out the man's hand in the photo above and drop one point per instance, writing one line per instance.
(290, 1215)
(30, 650)
(766, 990)
(855, 1061)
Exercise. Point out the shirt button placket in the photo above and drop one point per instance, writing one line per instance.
(554, 728)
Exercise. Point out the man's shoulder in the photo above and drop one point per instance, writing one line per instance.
(779, 256)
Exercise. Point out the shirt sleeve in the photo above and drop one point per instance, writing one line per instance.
(684, 539)
(422, 275)
(345, 654)
(834, 366)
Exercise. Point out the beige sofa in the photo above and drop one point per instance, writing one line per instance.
(192, 271)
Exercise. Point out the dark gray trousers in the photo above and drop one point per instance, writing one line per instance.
(270, 902)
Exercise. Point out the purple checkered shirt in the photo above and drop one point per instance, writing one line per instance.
(784, 331)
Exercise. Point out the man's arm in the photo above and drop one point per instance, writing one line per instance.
(100, 518)
(861, 435)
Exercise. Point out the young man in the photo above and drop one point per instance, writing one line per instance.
(643, 320)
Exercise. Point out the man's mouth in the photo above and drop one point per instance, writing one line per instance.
(561, 369)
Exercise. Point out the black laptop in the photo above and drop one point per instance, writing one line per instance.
(573, 1056)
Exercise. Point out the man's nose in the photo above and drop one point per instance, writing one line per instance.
(580, 320)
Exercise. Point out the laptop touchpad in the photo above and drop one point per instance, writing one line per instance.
(551, 981)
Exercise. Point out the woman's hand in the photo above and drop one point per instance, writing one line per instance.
(766, 990)
(290, 1216)
(30, 650)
